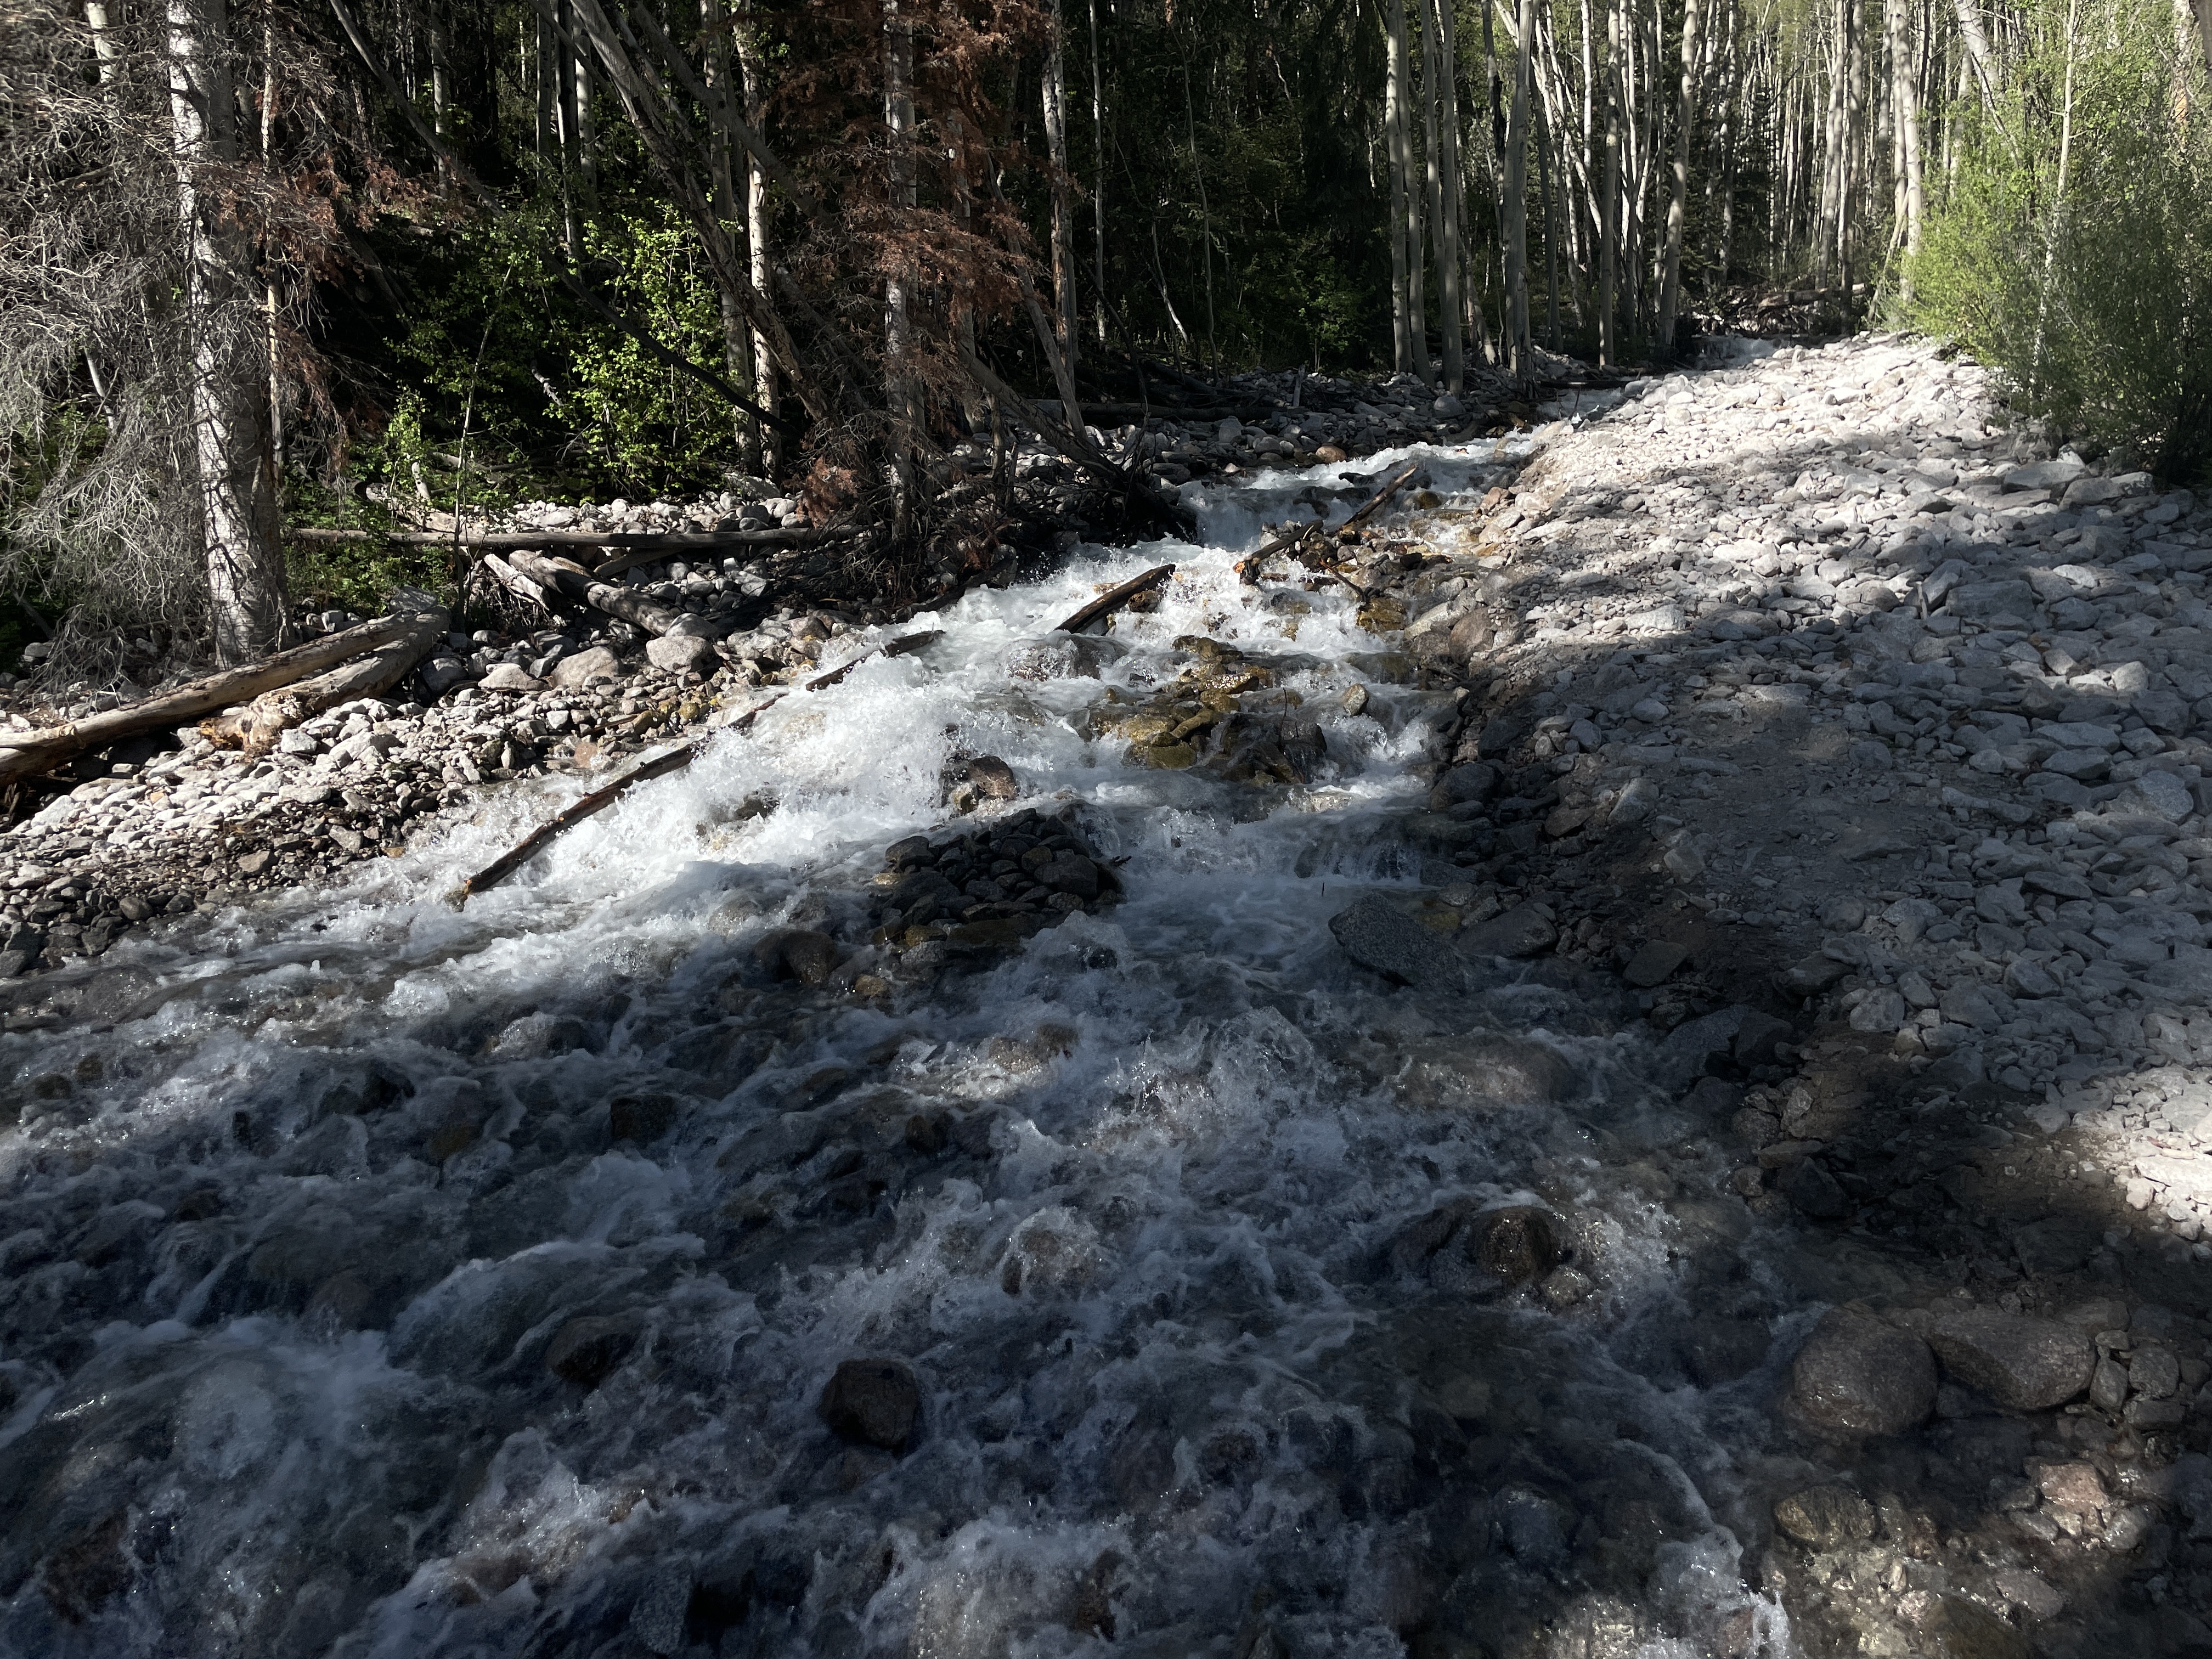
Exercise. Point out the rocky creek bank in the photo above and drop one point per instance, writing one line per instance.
(1866, 744)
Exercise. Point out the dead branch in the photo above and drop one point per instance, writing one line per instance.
(255, 727)
(22, 753)
(1131, 485)
(597, 801)
(898, 648)
(1248, 567)
(1114, 600)
(571, 580)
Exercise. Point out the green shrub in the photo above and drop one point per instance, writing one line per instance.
(2095, 305)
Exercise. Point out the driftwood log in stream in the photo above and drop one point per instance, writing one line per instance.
(256, 726)
(898, 648)
(1112, 600)
(1248, 567)
(23, 754)
(597, 801)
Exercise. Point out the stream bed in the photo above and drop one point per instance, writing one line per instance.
(613, 1268)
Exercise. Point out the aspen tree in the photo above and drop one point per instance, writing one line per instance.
(233, 485)
(1670, 286)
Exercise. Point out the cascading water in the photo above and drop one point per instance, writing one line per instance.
(383, 1279)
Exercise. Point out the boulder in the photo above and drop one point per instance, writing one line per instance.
(800, 953)
(1862, 1375)
(676, 652)
(1826, 1518)
(1378, 935)
(510, 676)
(2020, 1362)
(1520, 932)
(876, 1403)
(581, 668)
(586, 1351)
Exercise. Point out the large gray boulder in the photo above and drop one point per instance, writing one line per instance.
(2029, 1364)
(1862, 1375)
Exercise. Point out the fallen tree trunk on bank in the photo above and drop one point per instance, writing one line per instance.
(24, 753)
(256, 728)
(674, 541)
(572, 581)
(1133, 487)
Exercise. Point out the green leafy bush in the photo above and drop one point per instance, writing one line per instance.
(2094, 302)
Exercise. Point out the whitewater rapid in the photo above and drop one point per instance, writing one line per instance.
(286, 1246)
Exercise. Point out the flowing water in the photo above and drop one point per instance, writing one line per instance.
(302, 1202)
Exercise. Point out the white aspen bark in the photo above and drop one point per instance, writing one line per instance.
(269, 294)
(105, 51)
(1433, 181)
(1063, 209)
(1516, 196)
(1978, 52)
(1098, 170)
(898, 121)
(1670, 282)
(756, 240)
(1852, 170)
(1608, 256)
(2204, 31)
(1450, 301)
(1402, 320)
(1905, 105)
(2057, 197)
(569, 73)
(232, 485)
(721, 166)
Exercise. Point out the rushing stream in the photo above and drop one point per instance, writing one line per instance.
(385, 1279)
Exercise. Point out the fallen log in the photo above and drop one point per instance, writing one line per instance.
(667, 541)
(898, 648)
(1077, 447)
(571, 580)
(255, 727)
(515, 582)
(24, 753)
(597, 801)
(1248, 567)
(1114, 598)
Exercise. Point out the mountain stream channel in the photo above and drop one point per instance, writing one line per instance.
(656, 1258)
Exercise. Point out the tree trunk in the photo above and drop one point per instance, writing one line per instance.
(1905, 105)
(1403, 322)
(1977, 50)
(1436, 82)
(756, 238)
(1517, 195)
(1609, 254)
(22, 753)
(1099, 169)
(255, 727)
(737, 337)
(1063, 208)
(1670, 283)
(234, 486)
(899, 122)
(105, 50)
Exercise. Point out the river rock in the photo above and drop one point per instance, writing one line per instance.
(876, 1403)
(2020, 1362)
(1826, 1518)
(677, 652)
(1378, 935)
(575, 671)
(587, 1350)
(800, 953)
(1861, 1375)
(1523, 930)
(510, 676)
